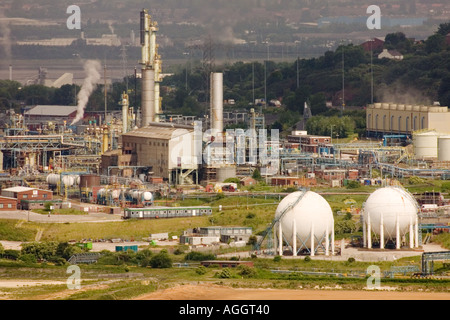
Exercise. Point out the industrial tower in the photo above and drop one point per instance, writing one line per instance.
(151, 70)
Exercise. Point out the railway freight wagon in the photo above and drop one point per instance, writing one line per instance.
(166, 212)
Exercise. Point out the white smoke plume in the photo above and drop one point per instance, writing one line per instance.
(92, 68)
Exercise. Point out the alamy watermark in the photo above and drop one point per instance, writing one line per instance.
(74, 21)
(374, 279)
(74, 281)
(374, 21)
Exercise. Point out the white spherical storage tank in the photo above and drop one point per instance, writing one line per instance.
(305, 220)
(390, 213)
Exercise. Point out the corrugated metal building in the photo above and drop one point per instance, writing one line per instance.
(168, 149)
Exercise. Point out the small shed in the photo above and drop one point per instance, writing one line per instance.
(248, 181)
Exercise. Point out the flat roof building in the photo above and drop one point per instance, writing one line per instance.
(392, 118)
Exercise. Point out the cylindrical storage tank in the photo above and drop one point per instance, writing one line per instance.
(392, 208)
(444, 148)
(377, 105)
(53, 179)
(217, 102)
(401, 107)
(224, 173)
(425, 145)
(307, 213)
(408, 107)
(416, 108)
(385, 105)
(393, 106)
(89, 180)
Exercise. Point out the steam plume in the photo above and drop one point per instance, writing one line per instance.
(92, 69)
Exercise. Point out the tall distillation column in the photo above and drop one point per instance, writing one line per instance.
(151, 70)
(124, 102)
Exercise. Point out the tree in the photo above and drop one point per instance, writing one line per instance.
(41, 250)
(318, 103)
(435, 43)
(36, 94)
(444, 29)
(256, 174)
(397, 41)
(444, 92)
(161, 260)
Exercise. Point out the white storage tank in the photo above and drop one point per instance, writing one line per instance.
(53, 179)
(147, 196)
(425, 145)
(115, 193)
(390, 213)
(68, 180)
(308, 219)
(444, 148)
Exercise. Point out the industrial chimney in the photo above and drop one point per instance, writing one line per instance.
(216, 102)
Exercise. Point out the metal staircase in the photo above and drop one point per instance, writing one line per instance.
(275, 221)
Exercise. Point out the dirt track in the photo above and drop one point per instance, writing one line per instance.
(216, 292)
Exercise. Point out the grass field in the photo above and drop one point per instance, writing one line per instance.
(255, 212)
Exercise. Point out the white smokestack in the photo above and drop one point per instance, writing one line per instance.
(92, 68)
(217, 102)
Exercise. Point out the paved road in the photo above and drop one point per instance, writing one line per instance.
(42, 218)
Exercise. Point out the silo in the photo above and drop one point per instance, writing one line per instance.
(305, 220)
(444, 148)
(425, 145)
(390, 213)
(89, 180)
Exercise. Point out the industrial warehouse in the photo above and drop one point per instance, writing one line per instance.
(225, 197)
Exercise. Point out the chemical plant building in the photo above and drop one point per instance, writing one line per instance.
(57, 115)
(155, 145)
(310, 143)
(102, 163)
(391, 118)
